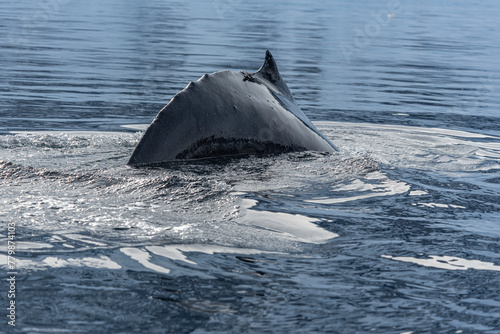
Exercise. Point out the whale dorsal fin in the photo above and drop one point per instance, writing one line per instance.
(269, 71)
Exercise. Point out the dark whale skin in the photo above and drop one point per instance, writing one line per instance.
(229, 113)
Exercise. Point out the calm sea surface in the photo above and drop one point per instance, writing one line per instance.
(399, 232)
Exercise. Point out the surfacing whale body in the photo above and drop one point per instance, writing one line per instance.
(229, 113)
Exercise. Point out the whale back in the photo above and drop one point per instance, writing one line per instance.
(229, 113)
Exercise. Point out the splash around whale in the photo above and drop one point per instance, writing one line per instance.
(229, 113)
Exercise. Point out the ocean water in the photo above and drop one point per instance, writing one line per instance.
(398, 232)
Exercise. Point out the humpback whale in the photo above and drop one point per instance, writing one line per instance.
(229, 113)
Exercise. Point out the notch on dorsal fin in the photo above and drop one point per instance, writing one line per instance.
(269, 71)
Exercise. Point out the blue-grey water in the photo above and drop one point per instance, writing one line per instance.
(399, 232)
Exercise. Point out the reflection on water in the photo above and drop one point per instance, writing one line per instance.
(374, 184)
(49, 262)
(447, 262)
(298, 227)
